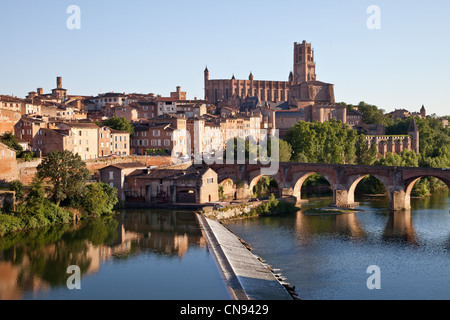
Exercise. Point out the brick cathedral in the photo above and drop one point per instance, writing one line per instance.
(302, 88)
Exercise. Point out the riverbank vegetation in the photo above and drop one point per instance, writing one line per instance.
(58, 194)
(336, 143)
(272, 207)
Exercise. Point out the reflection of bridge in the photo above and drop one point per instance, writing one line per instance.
(343, 179)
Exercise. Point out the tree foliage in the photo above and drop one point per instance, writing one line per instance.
(99, 199)
(328, 142)
(120, 124)
(67, 174)
(10, 140)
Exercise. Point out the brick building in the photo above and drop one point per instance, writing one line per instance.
(27, 128)
(49, 140)
(302, 87)
(165, 132)
(104, 141)
(8, 167)
(8, 119)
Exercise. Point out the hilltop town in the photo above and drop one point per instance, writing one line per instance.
(126, 125)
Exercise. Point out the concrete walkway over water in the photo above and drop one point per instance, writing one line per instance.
(246, 276)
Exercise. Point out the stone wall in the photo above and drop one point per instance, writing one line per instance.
(27, 170)
(94, 165)
(230, 212)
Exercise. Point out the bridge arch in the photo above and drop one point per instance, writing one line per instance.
(299, 181)
(254, 181)
(227, 189)
(354, 182)
(412, 182)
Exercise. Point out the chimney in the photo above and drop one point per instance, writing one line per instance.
(59, 82)
(40, 91)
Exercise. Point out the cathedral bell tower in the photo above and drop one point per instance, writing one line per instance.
(304, 65)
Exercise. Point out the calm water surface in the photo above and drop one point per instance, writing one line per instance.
(143, 254)
(326, 257)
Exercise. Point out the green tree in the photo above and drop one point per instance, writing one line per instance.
(120, 124)
(371, 114)
(67, 174)
(17, 187)
(10, 140)
(328, 142)
(365, 155)
(285, 151)
(99, 199)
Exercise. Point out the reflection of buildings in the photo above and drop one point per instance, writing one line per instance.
(343, 224)
(168, 233)
(163, 233)
(400, 227)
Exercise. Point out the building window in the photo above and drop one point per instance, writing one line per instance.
(111, 175)
(210, 181)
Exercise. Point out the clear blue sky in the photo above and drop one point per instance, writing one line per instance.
(154, 46)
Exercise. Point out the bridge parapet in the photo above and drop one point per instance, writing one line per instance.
(398, 181)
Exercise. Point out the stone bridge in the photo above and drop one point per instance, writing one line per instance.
(398, 181)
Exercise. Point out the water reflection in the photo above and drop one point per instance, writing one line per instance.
(343, 225)
(400, 228)
(37, 261)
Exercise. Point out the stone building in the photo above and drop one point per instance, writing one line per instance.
(86, 138)
(191, 185)
(114, 175)
(120, 143)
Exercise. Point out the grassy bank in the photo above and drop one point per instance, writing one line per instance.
(21, 221)
(271, 207)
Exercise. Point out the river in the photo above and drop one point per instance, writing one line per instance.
(162, 254)
(141, 255)
(327, 257)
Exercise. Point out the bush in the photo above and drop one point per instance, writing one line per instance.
(100, 200)
(10, 223)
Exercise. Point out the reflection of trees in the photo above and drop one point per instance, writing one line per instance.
(39, 259)
(45, 254)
